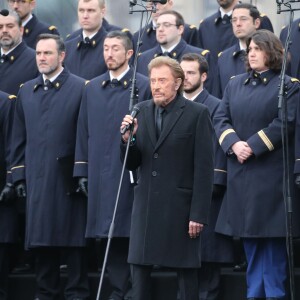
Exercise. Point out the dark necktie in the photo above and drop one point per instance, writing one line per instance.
(47, 85)
(226, 19)
(87, 41)
(114, 83)
(159, 120)
(4, 57)
(166, 53)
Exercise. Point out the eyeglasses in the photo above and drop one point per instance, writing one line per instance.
(18, 1)
(165, 25)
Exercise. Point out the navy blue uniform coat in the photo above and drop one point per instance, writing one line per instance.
(174, 185)
(97, 152)
(44, 131)
(8, 211)
(254, 205)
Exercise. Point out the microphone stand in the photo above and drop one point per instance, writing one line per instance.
(282, 104)
(133, 100)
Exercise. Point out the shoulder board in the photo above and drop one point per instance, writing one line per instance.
(87, 82)
(204, 52)
(12, 97)
(201, 21)
(295, 80)
(125, 30)
(263, 15)
(68, 35)
(193, 27)
(232, 77)
(21, 85)
(52, 27)
(220, 53)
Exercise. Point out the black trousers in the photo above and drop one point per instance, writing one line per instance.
(117, 268)
(4, 269)
(141, 282)
(47, 265)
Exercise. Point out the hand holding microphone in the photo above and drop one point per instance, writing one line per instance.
(127, 122)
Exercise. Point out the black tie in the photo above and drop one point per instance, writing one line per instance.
(115, 82)
(226, 19)
(4, 57)
(159, 120)
(166, 53)
(47, 85)
(87, 41)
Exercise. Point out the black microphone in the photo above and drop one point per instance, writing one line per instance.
(134, 113)
(157, 1)
(4, 12)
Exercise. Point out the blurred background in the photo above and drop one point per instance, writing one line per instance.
(63, 13)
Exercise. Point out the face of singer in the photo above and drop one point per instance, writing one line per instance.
(193, 80)
(48, 59)
(257, 58)
(163, 85)
(10, 32)
(90, 15)
(243, 24)
(22, 8)
(115, 55)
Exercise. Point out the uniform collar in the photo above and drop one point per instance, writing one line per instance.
(15, 53)
(93, 41)
(125, 81)
(56, 83)
(219, 18)
(264, 77)
(175, 53)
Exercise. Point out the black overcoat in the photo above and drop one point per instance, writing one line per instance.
(8, 211)
(44, 133)
(254, 206)
(97, 152)
(174, 185)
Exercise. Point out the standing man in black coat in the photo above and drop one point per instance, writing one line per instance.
(105, 102)
(31, 24)
(17, 62)
(190, 34)
(84, 55)
(43, 147)
(8, 211)
(216, 248)
(172, 148)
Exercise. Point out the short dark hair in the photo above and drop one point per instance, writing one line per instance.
(59, 41)
(253, 11)
(123, 36)
(173, 64)
(179, 18)
(203, 64)
(268, 42)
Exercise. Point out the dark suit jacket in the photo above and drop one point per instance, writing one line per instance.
(174, 184)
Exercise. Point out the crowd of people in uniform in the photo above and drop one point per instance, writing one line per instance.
(189, 189)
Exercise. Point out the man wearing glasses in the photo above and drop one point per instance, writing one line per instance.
(32, 26)
(169, 30)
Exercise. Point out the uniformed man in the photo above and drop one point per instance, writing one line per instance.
(17, 62)
(43, 147)
(170, 27)
(215, 248)
(105, 24)
(294, 48)
(105, 101)
(215, 32)
(190, 33)
(32, 26)
(8, 211)
(85, 52)
(245, 21)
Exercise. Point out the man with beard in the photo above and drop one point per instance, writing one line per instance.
(215, 248)
(190, 34)
(97, 161)
(170, 27)
(245, 21)
(32, 26)
(215, 32)
(85, 52)
(17, 62)
(43, 146)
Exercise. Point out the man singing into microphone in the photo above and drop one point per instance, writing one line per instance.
(172, 148)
